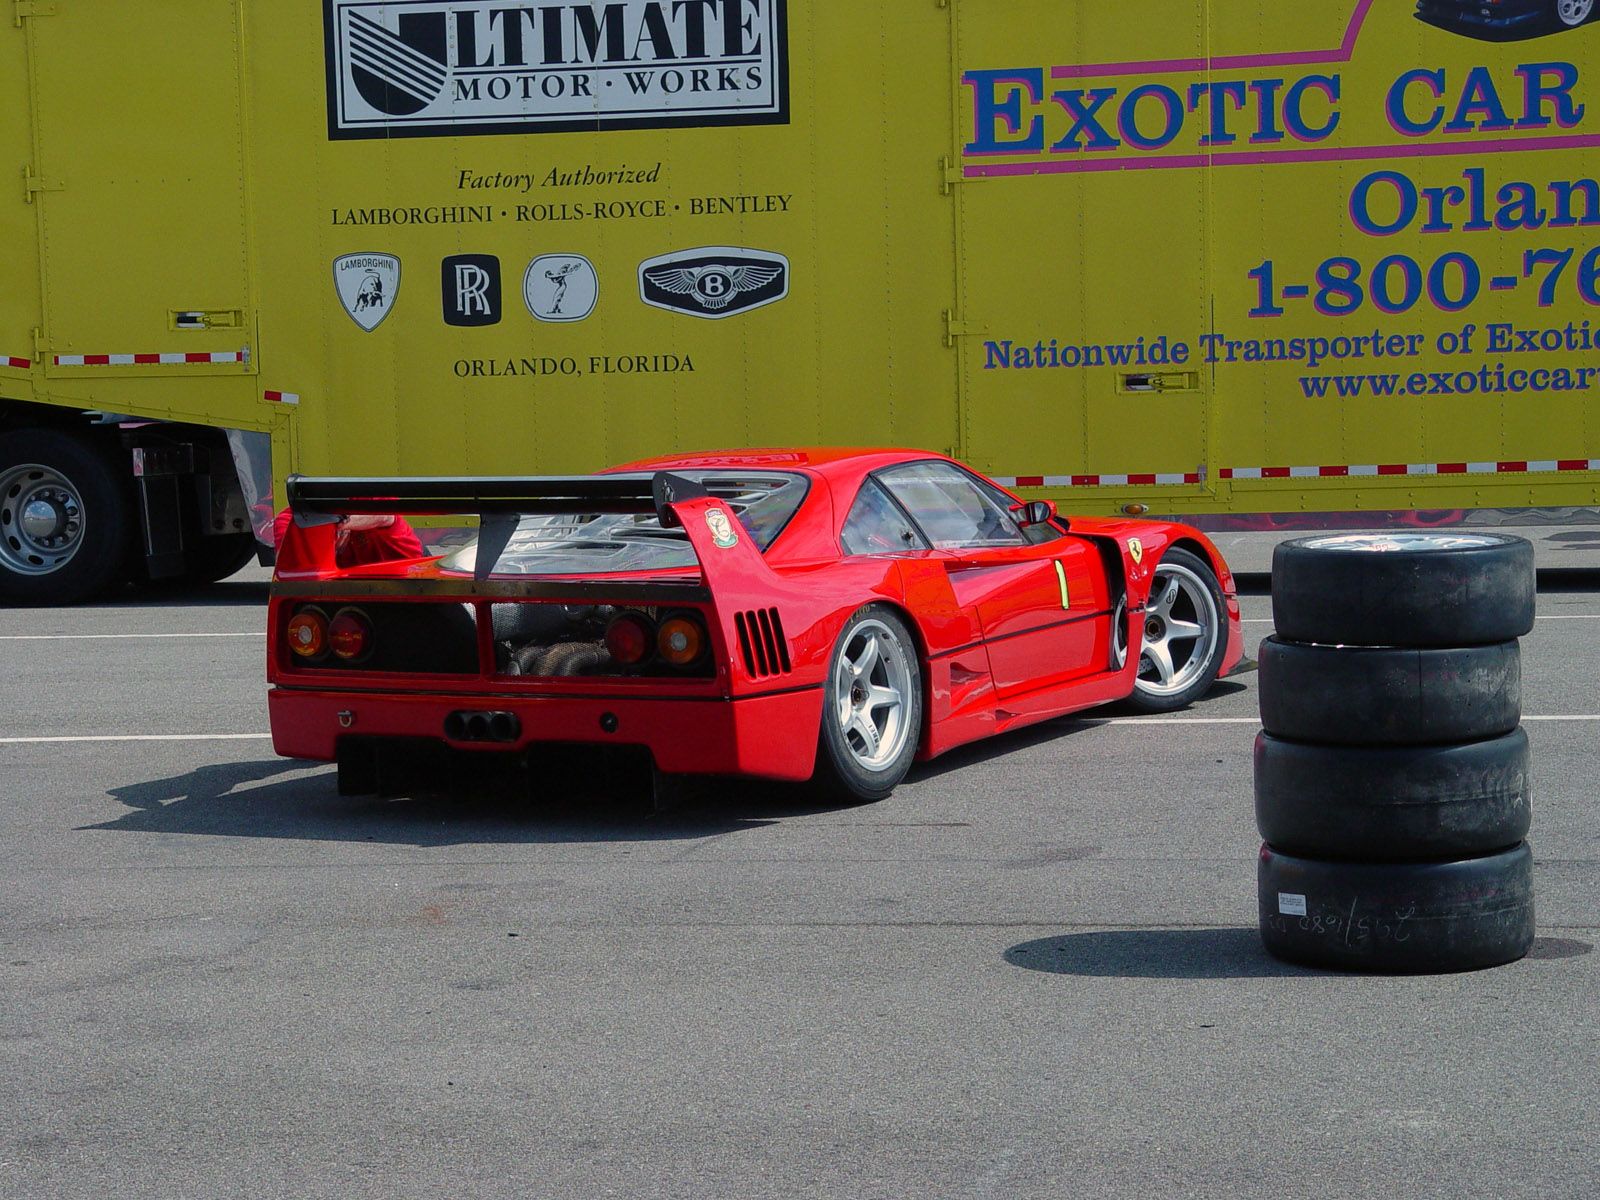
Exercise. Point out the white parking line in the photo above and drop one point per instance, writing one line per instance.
(89, 637)
(1550, 617)
(140, 737)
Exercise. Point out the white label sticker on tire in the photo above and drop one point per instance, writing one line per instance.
(1291, 905)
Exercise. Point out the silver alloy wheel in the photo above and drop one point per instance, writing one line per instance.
(41, 519)
(871, 681)
(1572, 13)
(1181, 628)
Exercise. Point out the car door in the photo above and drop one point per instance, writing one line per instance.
(1041, 604)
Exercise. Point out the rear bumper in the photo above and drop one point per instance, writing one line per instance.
(772, 736)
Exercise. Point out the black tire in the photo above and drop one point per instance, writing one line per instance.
(1393, 804)
(1194, 666)
(1401, 918)
(218, 557)
(1409, 588)
(1355, 696)
(845, 770)
(95, 547)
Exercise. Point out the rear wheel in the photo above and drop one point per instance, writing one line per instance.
(217, 557)
(872, 708)
(65, 518)
(1185, 634)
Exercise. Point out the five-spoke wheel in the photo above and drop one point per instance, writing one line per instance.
(1185, 634)
(872, 715)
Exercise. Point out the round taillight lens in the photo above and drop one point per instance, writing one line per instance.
(350, 635)
(680, 641)
(308, 633)
(629, 639)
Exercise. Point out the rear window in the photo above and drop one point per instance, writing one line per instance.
(585, 544)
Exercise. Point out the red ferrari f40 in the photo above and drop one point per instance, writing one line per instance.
(809, 614)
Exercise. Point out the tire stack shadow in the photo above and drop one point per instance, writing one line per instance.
(1392, 774)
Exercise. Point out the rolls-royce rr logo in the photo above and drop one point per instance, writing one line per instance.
(467, 67)
(714, 281)
(367, 285)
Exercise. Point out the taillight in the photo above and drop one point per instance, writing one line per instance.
(681, 641)
(350, 635)
(308, 633)
(629, 639)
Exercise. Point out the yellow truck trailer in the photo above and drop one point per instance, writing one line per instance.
(1195, 256)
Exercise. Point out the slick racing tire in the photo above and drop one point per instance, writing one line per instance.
(871, 708)
(1407, 588)
(1356, 696)
(1185, 634)
(66, 518)
(1403, 918)
(1392, 804)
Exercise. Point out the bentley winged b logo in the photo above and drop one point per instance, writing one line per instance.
(714, 281)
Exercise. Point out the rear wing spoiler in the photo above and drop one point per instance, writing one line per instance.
(713, 530)
(321, 501)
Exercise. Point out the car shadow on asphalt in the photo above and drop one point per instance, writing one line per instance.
(1154, 954)
(254, 799)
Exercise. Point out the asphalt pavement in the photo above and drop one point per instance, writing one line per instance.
(1032, 972)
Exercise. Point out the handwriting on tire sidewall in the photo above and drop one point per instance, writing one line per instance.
(1350, 928)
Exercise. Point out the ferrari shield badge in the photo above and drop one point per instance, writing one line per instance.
(721, 529)
(1136, 550)
(366, 284)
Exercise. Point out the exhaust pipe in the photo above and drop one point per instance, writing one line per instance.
(465, 725)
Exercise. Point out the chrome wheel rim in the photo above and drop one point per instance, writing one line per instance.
(871, 684)
(1181, 628)
(1573, 12)
(1119, 633)
(41, 519)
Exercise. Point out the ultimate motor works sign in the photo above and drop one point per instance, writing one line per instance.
(487, 66)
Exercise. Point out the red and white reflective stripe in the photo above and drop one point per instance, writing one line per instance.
(146, 360)
(1381, 470)
(282, 397)
(1157, 480)
(11, 360)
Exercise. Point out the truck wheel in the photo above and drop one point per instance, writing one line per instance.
(1352, 695)
(1571, 13)
(1403, 918)
(1430, 588)
(218, 557)
(1185, 634)
(871, 708)
(1392, 804)
(65, 518)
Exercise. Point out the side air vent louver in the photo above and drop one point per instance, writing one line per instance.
(761, 641)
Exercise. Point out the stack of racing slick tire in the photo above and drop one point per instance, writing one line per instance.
(1391, 774)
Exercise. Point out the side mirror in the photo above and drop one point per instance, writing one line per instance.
(1035, 512)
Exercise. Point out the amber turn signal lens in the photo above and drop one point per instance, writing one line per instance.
(680, 641)
(350, 635)
(628, 639)
(308, 633)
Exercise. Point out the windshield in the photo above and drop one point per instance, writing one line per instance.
(606, 542)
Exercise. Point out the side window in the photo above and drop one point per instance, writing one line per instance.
(877, 526)
(1034, 535)
(950, 507)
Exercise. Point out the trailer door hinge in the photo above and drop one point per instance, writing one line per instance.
(33, 184)
(22, 9)
(949, 175)
(954, 327)
(41, 345)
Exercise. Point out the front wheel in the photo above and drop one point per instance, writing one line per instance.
(872, 708)
(65, 518)
(1185, 634)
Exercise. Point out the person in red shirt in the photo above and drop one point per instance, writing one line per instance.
(361, 538)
